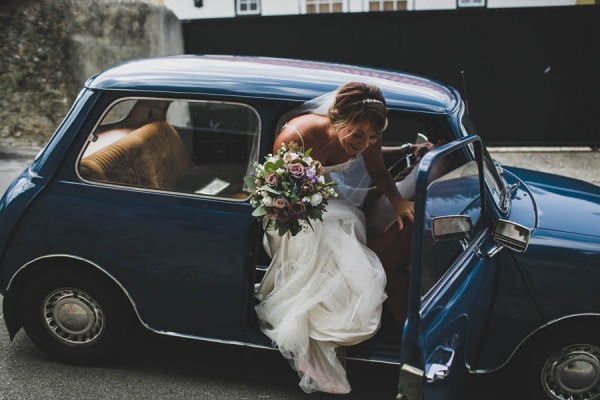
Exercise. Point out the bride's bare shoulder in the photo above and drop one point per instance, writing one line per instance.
(313, 129)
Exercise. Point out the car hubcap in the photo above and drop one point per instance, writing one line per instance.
(573, 373)
(73, 316)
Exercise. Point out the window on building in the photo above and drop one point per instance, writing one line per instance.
(470, 3)
(248, 7)
(323, 6)
(387, 5)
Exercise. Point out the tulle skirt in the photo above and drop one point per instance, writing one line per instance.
(324, 289)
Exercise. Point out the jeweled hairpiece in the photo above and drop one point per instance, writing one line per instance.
(363, 101)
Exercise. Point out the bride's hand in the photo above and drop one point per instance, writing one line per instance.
(420, 149)
(404, 209)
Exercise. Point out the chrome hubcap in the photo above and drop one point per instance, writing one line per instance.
(573, 373)
(73, 316)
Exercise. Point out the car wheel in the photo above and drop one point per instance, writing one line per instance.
(562, 370)
(77, 317)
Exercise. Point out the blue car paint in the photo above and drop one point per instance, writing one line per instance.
(269, 78)
(49, 201)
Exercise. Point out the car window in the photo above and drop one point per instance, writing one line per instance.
(203, 148)
(410, 128)
(492, 178)
(453, 190)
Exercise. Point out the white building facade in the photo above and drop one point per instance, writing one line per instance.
(196, 9)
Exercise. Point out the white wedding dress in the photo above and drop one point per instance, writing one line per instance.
(324, 289)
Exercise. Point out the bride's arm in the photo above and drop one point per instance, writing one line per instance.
(383, 180)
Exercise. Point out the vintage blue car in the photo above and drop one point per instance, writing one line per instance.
(135, 213)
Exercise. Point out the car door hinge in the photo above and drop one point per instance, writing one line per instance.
(410, 384)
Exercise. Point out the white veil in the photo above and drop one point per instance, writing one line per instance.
(353, 182)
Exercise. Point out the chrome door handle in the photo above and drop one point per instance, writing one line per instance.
(439, 369)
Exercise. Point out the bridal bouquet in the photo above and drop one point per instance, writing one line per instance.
(288, 189)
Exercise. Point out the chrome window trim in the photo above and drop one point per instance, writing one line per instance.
(159, 191)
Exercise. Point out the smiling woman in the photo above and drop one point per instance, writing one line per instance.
(329, 286)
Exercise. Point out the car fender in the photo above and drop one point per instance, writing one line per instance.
(19, 280)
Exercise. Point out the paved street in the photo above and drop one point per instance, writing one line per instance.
(162, 367)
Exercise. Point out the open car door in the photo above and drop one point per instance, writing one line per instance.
(452, 280)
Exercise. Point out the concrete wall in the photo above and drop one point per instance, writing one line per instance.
(50, 47)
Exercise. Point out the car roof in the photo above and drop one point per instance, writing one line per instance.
(271, 78)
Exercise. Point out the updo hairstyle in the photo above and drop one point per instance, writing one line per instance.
(356, 102)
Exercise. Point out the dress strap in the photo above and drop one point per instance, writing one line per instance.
(297, 131)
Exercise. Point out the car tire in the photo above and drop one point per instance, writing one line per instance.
(557, 367)
(76, 316)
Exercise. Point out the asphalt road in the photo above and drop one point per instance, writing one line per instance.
(160, 367)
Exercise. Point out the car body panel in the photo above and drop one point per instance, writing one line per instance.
(271, 78)
(563, 204)
(188, 263)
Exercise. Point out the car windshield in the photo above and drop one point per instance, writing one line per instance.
(492, 170)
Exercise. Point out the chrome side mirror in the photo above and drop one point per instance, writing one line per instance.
(451, 227)
(511, 235)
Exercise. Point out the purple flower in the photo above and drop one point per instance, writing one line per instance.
(283, 216)
(296, 170)
(307, 188)
(272, 179)
(297, 208)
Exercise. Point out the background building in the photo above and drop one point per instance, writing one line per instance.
(197, 9)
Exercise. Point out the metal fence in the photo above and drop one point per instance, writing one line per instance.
(532, 74)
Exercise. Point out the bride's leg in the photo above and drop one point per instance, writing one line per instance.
(393, 249)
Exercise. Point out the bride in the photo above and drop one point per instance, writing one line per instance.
(325, 287)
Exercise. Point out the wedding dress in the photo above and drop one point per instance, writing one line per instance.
(324, 289)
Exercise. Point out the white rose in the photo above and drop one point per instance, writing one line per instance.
(279, 171)
(316, 199)
(290, 156)
(267, 201)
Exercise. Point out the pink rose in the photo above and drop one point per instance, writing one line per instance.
(297, 208)
(296, 170)
(281, 203)
(272, 179)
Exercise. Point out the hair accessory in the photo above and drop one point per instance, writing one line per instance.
(363, 101)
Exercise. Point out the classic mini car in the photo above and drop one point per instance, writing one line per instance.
(135, 211)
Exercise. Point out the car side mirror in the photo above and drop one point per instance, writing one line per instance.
(451, 227)
(511, 235)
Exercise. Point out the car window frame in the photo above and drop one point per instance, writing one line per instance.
(97, 124)
(455, 268)
(486, 155)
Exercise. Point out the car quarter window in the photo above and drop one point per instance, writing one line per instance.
(453, 190)
(492, 178)
(202, 148)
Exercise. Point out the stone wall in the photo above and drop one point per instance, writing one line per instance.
(50, 47)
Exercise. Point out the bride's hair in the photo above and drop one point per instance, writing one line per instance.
(356, 102)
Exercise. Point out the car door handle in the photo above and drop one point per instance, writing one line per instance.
(438, 370)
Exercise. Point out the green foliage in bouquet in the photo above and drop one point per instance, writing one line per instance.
(288, 189)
